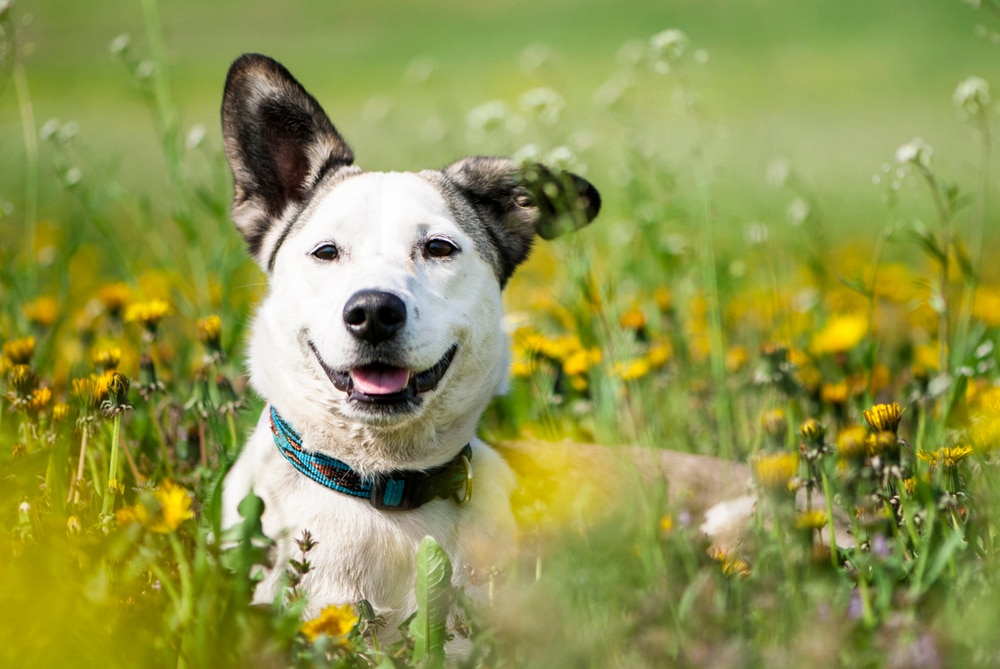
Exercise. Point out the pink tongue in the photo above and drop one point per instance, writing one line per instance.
(380, 380)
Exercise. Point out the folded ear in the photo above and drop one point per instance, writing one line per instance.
(279, 143)
(518, 202)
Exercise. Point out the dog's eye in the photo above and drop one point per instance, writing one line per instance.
(325, 252)
(439, 248)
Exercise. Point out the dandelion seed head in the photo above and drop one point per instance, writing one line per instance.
(195, 137)
(120, 44)
(543, 103)
(915, 152)
(671, 43)
(972, 96)
(534, 57)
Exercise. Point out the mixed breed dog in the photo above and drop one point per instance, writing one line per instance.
(378, 345)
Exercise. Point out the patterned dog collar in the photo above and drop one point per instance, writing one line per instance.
(397, 491)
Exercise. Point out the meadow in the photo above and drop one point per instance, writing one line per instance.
(792, 269)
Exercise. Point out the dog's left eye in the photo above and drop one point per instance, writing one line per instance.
(325, 252)
(439, 248)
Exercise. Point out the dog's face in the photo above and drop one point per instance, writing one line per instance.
(384, 305)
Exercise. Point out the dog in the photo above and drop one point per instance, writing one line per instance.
(377, 346)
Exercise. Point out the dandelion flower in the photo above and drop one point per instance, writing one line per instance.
(840, 334)
(732, 565)
(107, 358)
(42, 312)
(163, 511)
(883, 417)
(633, 319)
(19, 351)
(209, 331)
(812, 431)
(147, 314)
(335, 621)
(946, 456)
(810, 520)
(774, 472)
(115, 297)
(852, 442)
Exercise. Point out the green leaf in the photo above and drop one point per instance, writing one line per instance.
(249, 546)
(434, 596)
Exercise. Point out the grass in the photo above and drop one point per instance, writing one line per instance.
(767, 269)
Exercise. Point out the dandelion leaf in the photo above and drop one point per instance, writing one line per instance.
(434, 596)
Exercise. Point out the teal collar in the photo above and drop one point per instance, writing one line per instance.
(398, 490)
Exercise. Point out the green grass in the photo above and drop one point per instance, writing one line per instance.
(693, 315)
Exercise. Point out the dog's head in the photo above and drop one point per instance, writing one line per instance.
(384, 303)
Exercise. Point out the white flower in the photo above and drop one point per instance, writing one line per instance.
(120, 44)
(916, 152)
(670, 43)
(49, 129)
(72, 177)
(563, 158)
(972, 95)
(534, 58)
(488, 116)
(778, 171)
(543, 103)
(195, 137)
(798, 211)
(529, 153)
(420, 70)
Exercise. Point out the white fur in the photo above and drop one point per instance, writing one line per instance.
(379, 221)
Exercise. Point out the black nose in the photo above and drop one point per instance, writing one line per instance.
(374, 315)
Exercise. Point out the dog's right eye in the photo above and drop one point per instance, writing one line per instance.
(325, 252)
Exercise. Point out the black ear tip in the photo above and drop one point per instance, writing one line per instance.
(587, 197)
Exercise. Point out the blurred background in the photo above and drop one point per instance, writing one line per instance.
(832, 86)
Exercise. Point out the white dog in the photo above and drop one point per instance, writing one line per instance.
(378, 345)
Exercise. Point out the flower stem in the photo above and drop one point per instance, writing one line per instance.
(113, 474)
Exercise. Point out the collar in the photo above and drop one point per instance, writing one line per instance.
(395, 491)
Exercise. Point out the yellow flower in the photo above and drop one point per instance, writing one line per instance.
(633, 319)
(19, 351)
(775, 471)
(841, 333)
(852, 442)
(666, 524)
(175, 506)
(108, 358)
(986, 306)
(736, 359)
(39, 399)
(580, 362)
(148, 314)
(812, 431)
(774, 424)
(335, 621)
(664, 298)
(163, 511)
(60, 412)
(947, 456)
(209, 331)
(659, 354)
(810, 520)
(732, 565)
(43, 311)
(834, 394)
(632, 370)
(883, 417)
(115, 297)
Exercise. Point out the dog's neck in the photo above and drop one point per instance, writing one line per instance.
(390, 491)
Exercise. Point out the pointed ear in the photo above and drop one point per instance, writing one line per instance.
(518, 202)
(278, 140)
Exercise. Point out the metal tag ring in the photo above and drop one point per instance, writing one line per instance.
(467, 491)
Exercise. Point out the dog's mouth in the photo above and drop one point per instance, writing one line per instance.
(383, 384)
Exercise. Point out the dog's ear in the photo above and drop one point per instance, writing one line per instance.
(278, 140)
(518, 202)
